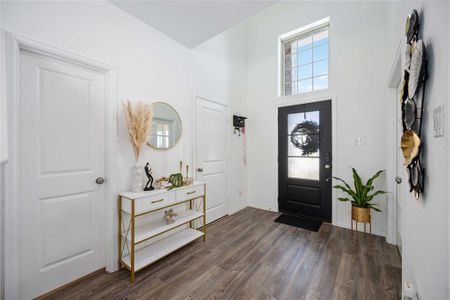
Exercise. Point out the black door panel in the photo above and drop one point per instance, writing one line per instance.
(304, 166)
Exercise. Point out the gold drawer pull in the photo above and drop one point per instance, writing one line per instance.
(156, 201)
(189, 193)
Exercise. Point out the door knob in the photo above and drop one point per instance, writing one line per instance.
(100, 180)
(199, 169)
(398, 180)
(327, 166)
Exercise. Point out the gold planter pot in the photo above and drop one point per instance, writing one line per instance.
(361, 215)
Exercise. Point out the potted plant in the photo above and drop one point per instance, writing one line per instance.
(361, 196)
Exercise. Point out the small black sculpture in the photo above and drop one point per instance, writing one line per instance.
(149, 185)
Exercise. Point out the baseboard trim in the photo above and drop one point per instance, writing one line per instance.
(58, 289)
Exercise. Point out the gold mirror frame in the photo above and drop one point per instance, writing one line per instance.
(181, 127)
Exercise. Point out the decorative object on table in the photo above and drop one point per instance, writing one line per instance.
(187, 180)
(166, 127)
(361, 197)
(170, 216)
(149, 185)
(138, 121)
(305, 136)
(161, 183)
(239, 127)
(176, 180)
(412, 106)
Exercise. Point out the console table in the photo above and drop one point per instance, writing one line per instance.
(143, 243)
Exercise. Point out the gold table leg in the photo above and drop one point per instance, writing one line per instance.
(204, 214)
(132, 242)
(119, 240)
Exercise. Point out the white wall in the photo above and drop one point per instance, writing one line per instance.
(3, 153)
(358, 69)
(220, 74)
(425, 221)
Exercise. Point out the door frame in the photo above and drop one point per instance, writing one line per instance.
(228, 144)
(14, 44)
(393, 80)
(335, 160)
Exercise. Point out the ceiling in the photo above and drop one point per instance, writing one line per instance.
(192, 22)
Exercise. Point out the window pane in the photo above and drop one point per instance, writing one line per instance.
(320, 52)
(303, 167)
(320, 38)
(305, 86)
(304, 145)
(295, 121)
(305, 43)
(321, 82)
(305, 57)
(321, 68)
(305, 71)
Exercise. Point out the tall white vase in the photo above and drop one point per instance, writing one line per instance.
(137, 174)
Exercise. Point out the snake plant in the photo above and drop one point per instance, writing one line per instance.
(362, 194)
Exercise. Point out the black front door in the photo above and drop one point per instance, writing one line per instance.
(304, 160)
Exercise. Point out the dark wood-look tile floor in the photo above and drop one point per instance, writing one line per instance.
(248, 256)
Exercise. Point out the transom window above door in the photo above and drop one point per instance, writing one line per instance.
(305, 59)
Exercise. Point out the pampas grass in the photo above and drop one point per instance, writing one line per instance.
(139, 121)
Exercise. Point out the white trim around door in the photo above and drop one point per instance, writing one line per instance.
(14, 45)
(393, 80)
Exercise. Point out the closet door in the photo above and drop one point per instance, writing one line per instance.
(61, 153)
(211, 155)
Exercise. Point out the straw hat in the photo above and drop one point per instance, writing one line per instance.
(410, 144)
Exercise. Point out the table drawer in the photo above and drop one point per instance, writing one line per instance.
(145, 204)
(191, 192)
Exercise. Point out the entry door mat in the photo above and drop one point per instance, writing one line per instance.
(299, 222)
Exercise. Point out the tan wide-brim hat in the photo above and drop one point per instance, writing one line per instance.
(410, 144)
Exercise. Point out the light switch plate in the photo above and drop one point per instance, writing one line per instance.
(438, 120)
(360, 141)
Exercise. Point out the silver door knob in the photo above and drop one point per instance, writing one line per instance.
(199, 169)
(100, 180)
(398, 180)
(327, 166)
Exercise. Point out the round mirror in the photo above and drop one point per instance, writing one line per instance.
(166, 126)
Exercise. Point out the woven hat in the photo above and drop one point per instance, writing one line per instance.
(410, 145)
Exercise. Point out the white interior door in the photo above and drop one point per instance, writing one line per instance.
(212, 155)
(61, 153)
